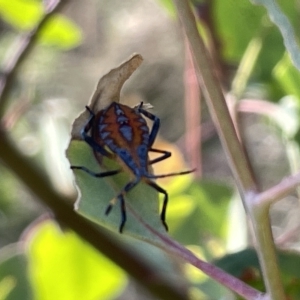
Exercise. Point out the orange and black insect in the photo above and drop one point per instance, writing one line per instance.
(120, 132)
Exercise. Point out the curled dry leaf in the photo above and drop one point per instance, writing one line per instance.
(107, 91)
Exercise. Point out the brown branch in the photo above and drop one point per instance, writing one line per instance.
(19, 51)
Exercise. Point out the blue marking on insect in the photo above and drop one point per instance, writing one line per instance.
(130, 162)
(143, 121)
(127, 132)
(143, 153)
(145, 139)
(118, 110)
(130, 144)
(102, 127)
(144, 128)
(122, 119)
(110, 143)
(104, 134)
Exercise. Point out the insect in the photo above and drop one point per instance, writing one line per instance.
(121, 132)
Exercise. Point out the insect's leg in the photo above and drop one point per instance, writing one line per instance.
(90, 121)
(123, 213)
(155, 126)
(120, 197)
(102, 174)
(88, 139)
(95, 146)
(166, 154)
(165, 203)
(170, 174)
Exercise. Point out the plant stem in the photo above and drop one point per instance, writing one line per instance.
(236, 155)
(215, 100)
(171, 246)
(277, 16)
(279, 191)
(267, 255)
(192, 113)
(246, 67)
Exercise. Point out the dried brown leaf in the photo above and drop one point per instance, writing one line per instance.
(107, 91)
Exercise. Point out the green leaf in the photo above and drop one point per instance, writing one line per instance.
(287, 116)
(23, 15)
(8, 190)
(61, 32)
(236, 263)
(284, 25)
(95, 194)
(169, 6)
(245, 265)
(14, 283)
(272, 50)
(62, 266)
(237, 23)
(212, 201)
(287, 76)
(214, 290)
(204, 214)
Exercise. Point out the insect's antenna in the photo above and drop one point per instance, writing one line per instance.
(171, 174)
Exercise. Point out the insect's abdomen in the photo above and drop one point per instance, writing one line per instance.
(125, 132)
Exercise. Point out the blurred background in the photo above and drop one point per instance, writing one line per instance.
(54, 83)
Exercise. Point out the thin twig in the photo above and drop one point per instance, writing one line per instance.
(19, 51)
(171, 246)
(287, 186)
(192, 104)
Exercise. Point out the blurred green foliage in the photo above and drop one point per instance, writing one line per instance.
(23, 16)
(61, 32)
(57, 265)
(209, 201)
(14, 282)
(245, 265)
(62, 266)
